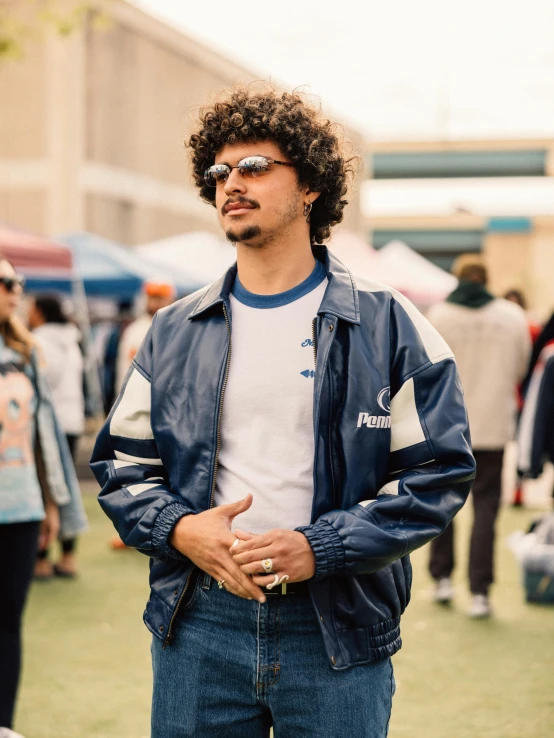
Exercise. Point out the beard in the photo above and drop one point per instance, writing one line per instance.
(264, 237)
(246, 234)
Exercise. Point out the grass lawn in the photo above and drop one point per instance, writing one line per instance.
(87, 661)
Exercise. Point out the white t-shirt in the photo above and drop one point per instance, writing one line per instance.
(267, 437)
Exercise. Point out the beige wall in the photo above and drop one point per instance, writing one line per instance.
(23, 132)
(25, 209)
(542, 290)
(127, 222)
(93, 136)
(509, 263)
(136, 117)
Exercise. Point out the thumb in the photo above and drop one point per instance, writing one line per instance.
(233, 509)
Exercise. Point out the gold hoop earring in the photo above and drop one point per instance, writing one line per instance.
(307, 210)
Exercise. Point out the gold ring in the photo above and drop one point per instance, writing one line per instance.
(220, 583)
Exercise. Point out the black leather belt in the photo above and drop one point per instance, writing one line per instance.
(296, 588)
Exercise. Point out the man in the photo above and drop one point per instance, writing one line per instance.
(158, 295)
(284, 439)
(490, 340)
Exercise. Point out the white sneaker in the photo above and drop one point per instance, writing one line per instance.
(8, 733)
(480, 607)
(444, 591)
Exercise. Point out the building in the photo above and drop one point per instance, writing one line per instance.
(92, 137)
(518, 249)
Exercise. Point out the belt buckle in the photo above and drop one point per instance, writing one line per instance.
(284, 588)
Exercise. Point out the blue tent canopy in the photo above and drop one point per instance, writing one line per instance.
(109, 269)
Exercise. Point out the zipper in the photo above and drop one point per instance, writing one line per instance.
(170, 636)
(314, 340)
(224, 386)
(324, 369)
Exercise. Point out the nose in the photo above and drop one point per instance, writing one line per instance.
(235, 184)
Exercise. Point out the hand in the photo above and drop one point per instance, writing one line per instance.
(50, 526)
(289, 551)
(206, 538)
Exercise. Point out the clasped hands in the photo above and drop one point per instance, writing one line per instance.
(206, 539)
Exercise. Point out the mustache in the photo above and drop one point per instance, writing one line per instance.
(244, 200)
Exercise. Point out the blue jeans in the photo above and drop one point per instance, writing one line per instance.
(236, 668)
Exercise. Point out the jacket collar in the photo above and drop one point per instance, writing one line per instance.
(340, 298)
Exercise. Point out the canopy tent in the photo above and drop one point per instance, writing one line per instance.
(109, 269)
(397, 265)
(49, 265)
(44, 263)
(198, 256)
(423, 281)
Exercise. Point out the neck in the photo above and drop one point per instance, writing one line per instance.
(275, 267)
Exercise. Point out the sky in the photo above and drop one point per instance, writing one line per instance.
(397, 69)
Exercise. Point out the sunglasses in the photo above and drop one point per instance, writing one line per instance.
(251, 166)
(10, 283)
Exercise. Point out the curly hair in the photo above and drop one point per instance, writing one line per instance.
(311, 142)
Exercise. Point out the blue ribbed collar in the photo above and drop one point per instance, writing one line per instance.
(264, 302)
(340, 298)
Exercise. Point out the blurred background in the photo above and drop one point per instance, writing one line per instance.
(450, 106)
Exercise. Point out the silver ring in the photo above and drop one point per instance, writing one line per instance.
(277, 580)
(267, 566)
(220, 583)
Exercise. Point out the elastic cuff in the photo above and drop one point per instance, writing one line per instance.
(327, 547)
(166, 520)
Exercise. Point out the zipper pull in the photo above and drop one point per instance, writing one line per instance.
(169, 640)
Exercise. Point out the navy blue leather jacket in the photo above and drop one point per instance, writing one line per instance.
(392, 465)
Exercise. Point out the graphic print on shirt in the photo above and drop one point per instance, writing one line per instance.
(308, 373)
(16, 397)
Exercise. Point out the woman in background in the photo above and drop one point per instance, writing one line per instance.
(38, 489)
(58, 341)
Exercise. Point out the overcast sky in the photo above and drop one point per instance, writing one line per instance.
(397, 69)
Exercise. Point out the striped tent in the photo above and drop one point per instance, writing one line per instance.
(44, 263)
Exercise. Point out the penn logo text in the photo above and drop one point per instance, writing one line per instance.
(373, 421)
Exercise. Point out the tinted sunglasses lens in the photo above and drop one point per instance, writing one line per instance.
(218, 174)
(253, 165)
(10, 283)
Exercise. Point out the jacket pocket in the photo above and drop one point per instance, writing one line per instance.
(368, 599)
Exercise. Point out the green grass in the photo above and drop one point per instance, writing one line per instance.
(87, 661)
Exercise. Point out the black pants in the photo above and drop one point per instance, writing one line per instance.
(18, 545)
(486, 493)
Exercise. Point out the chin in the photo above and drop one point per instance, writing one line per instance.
(243, 235)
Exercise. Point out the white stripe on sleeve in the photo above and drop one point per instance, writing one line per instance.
(391, 488)
(136, 489)
(137, 459)
(406, 427)
(131, 418)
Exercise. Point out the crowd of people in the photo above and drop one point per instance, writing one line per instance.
(497, 350)
(158, 455)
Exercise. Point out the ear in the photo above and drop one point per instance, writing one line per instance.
(313, 195)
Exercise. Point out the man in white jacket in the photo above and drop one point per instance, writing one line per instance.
(490, 341)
